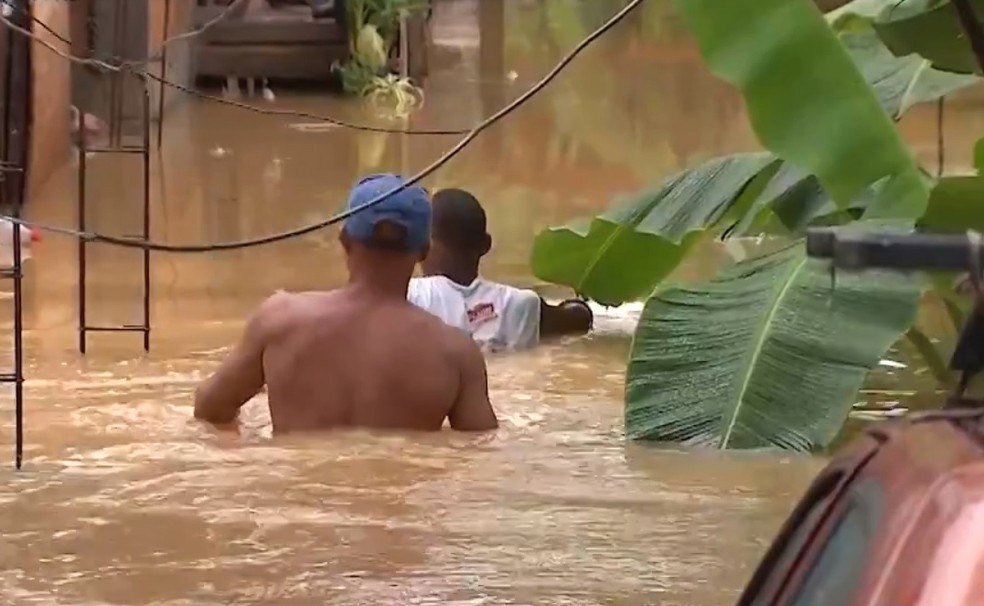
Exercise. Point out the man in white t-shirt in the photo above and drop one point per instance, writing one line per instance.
(497, 316)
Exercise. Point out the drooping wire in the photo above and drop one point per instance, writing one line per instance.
(301, 231)
(222, 101)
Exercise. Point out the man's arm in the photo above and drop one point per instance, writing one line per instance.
(240, 377)
(472, 410)
(571, 317)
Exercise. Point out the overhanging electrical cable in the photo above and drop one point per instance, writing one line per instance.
(301, 231)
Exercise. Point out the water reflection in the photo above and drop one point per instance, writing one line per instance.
(127, 501)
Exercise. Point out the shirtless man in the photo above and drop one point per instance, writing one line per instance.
(359, 356)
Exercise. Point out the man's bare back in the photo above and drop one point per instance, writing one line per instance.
(360, 356)
(340, 359)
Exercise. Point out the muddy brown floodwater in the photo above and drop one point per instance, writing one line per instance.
(125, 500)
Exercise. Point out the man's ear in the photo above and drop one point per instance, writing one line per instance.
(424, 252)
(343, 237)
(486, 245)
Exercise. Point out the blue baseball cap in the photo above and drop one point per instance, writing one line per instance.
(409, 208)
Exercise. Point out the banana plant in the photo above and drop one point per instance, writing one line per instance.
(584, 254)
(760, 357)
(767, 355)
(373, 27)
(931, 29)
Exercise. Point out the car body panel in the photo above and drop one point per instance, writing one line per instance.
(915, 494)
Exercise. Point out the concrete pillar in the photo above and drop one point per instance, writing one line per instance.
(169, 18)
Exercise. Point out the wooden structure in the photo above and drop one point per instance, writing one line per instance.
(111, 31)
(265, 42)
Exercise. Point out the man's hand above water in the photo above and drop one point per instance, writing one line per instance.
(240, 376)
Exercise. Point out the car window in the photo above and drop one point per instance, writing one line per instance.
(790, 541)
(834, 576)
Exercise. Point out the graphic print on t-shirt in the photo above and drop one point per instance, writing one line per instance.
(480, 314)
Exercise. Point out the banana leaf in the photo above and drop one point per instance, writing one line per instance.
(622, 254)
(929, 28)
(807, 101)
(765, 355)
(790, 188)
(858, 10)
(900, 82)
(598, 257)
(792, 201)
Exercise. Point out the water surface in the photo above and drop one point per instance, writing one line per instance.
(127, 501)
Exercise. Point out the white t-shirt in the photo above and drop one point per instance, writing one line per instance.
(497, 316)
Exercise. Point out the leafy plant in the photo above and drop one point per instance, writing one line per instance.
(900, 82)
(929, 28)
(659, 225)
(373, 29)
(395, 92)
(766, 355)
(806, 100)
(585, 254)
(774, 355)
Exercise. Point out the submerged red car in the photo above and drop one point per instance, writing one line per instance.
(896, 520)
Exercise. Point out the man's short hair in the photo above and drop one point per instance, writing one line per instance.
(459, 220)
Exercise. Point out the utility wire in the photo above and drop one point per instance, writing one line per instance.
(301, 231)
(223, 101)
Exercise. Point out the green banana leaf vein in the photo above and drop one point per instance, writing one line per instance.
(766, 355)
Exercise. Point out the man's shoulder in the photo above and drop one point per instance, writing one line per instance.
(275, 305)
(419, 280)
(524, 294)
(485, 288)
(520, 298)
(282, 308)
(283, 301)
(427, 283)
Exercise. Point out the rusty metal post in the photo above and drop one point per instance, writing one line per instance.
(116, 146)
(17, 96)
(161, 87)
